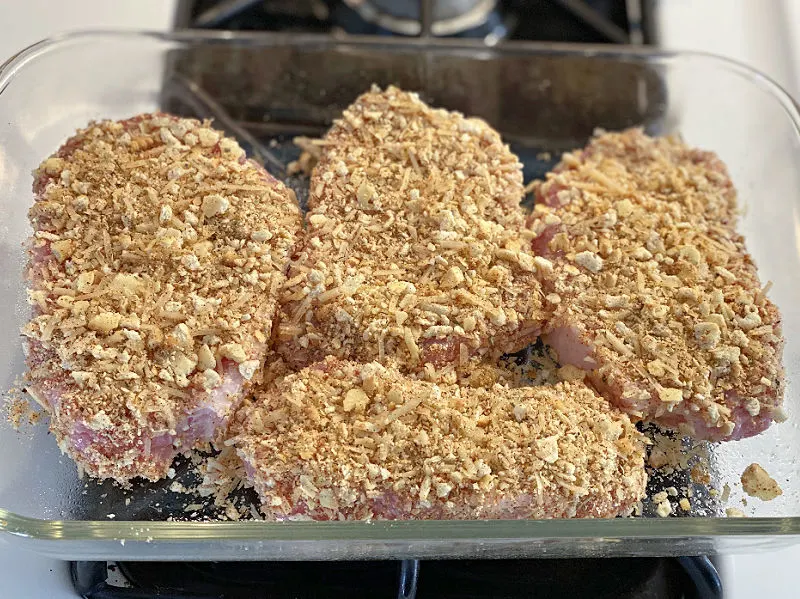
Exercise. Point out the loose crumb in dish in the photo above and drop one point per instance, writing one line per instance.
(756, 482)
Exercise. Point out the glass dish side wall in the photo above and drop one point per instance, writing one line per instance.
(542, 99)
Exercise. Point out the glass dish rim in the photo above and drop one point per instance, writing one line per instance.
(442, 531)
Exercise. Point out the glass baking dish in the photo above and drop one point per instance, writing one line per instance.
(266, 88)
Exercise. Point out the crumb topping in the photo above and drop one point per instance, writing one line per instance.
(664, 166)
(413, 248)
(756, 482)
(157, 253)
(345, 440)
(669, 301)
(311, 150)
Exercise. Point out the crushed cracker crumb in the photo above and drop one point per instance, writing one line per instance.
(426, 450)
(756, 482)
(413, 250)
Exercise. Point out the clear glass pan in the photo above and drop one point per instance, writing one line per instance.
(542, 98)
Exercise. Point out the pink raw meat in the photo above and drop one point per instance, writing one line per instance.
(146, 453)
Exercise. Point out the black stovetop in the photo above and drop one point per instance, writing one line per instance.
(619, 578)
(581, 21)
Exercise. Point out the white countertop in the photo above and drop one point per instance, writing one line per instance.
(24, 22)
(765, 35)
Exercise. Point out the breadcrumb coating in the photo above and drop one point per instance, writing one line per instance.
(157, 254)
(654, 292)
(412, 250)
(340, 440)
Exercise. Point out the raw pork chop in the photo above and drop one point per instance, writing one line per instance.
(654, 292)
(340, 440)
(157, 253)
(412, 250)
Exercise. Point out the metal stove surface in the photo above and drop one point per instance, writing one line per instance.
(624, 578)
(587, 21)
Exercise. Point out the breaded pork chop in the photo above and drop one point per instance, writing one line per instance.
(412, 250)
(654, 291)
(157, 253)
(340, 440)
